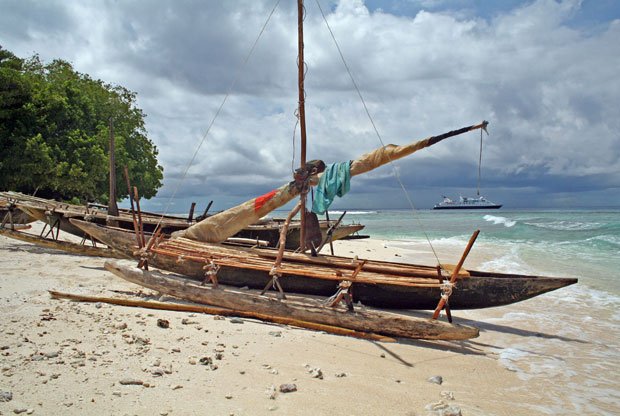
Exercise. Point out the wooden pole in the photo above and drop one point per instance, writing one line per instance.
(455, 272)
(191, 212)
(112, 207)
(220, 311)
(330, 232)
(204, 214)
(302, 115)
(136, 227)
(141, 226)
(283, 233)
(281, 244)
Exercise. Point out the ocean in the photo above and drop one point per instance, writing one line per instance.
(565, 343)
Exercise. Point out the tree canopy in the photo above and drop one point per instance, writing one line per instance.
(54, 133)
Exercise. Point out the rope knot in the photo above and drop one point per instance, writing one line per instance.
(446, 289)
(303, 175)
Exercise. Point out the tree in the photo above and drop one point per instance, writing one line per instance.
(54, 130)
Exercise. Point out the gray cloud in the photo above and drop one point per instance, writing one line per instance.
(545, 80)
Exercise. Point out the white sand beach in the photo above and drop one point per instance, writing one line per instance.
(69, 358)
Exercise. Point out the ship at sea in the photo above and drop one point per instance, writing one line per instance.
(464, 202)
(479, 202)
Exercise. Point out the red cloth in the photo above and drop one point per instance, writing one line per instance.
(262, 200)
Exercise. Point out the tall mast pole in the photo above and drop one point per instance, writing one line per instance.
(302, 111)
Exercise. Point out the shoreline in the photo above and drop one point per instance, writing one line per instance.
(63, 357)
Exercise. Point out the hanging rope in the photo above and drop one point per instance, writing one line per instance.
(372, 122)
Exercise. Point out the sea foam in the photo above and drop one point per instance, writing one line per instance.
(500, 220)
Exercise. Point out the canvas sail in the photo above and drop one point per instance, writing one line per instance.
(217, 228)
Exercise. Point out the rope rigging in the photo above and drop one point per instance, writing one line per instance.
(219, 110)
(372, 122)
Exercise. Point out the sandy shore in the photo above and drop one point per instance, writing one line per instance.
(62, 357)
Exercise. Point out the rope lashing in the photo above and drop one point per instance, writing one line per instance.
(274, 282)
(446, 289)
(342, 295)
(302, 175)
(211, 270)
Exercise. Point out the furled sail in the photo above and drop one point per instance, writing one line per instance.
(219, 227)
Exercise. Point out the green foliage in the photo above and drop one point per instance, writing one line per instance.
(55, 129)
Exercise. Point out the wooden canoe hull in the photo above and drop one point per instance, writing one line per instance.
(269, 231)
(303, 309)
(480, 290)
(15, 216)
(62, 245)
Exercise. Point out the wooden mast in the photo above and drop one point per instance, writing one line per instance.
(302, 113)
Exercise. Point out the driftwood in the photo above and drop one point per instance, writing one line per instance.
(304, 309)
(63, 245)
(181, 307)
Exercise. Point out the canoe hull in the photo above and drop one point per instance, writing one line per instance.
(57, 215)
(480, 290)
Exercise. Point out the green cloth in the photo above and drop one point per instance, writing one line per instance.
(336, 181)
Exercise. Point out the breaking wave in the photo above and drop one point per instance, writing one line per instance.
(500, 220)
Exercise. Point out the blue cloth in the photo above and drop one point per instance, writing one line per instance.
(336, 181)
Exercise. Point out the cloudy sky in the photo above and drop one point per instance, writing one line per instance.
(544, 73)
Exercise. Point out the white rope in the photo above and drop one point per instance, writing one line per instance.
(446, 289)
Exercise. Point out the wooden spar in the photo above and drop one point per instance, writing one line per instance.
(330, 232)
(455, 272)
(204, 214)
(190, 217)
(303, 309)
(302, 114)
(283, 232)
(140, 223)
(218, 227)
(62, 245)
(181, 307)
(375, 271)
(112, 207)
(154, 238)
(133, 209)
(400, 269)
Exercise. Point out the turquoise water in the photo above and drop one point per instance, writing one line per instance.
(584, 244)
(564, 343)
